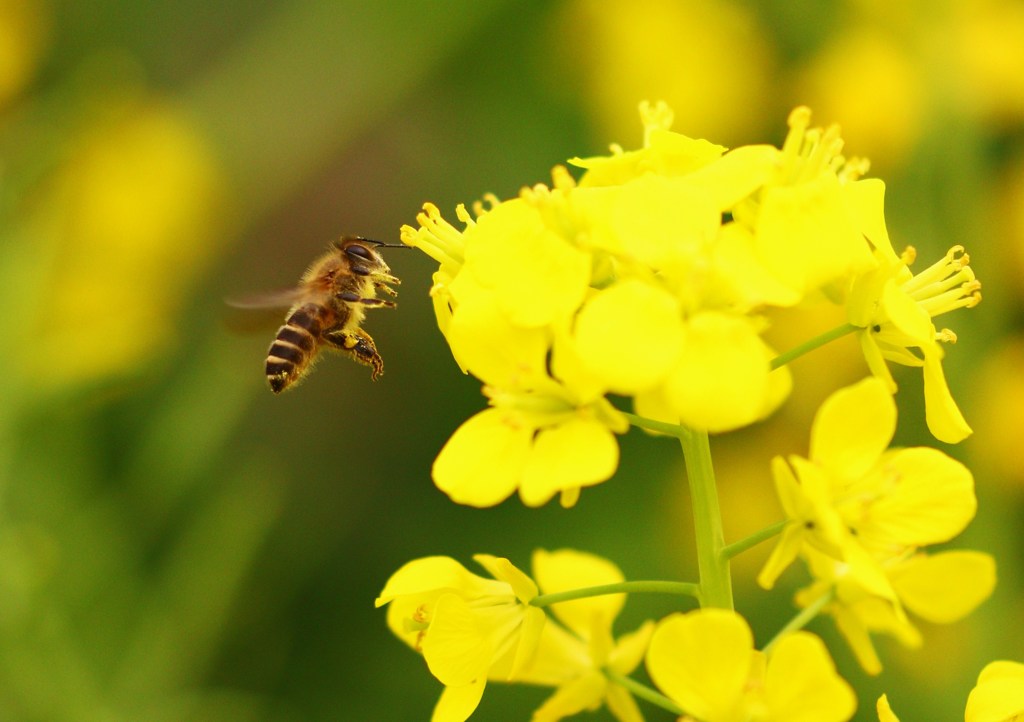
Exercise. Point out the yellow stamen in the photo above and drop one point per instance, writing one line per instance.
(436, 237)
(656, 117)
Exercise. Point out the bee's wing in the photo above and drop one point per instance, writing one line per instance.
(285, 298)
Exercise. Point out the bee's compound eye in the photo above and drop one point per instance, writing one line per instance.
(358, 251)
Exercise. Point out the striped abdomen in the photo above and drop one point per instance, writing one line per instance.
(296, 345)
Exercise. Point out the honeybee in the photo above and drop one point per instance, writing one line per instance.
(327, 309)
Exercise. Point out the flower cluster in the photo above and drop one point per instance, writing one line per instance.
(860, 514)
(649, 278)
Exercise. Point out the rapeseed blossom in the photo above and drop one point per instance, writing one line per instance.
(895, 308)
(463, 624)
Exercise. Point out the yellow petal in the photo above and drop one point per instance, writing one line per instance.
(457, 646)
(559, 656)
(533, 624)
(505, 571)
(805, 236)
(906, 314)
(885, 713)
(721, 380)
(622, 705)
(662, 221)
(536, 275)
(927, 498)
(941, 412)
(702, 660)
(801, 683)
(748, 280)
(580, 452)
(482, 463)
(458, 703)
(853, 427)
(945, 587)
(629, 335)
(567, 569)
(494, 350)
(736, 174)
(999, 694)
(429, 574)
(866, 199)
(782, 555)
(630, 649)
(876, 361)
(859, 639)
(581, 694)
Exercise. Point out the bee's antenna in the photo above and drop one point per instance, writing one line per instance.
(379, 244)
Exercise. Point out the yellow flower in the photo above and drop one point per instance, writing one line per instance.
(24, 31)
(577, 646)
(464, 624)
(895, 308)
(999, 694)
(138, 209)
(705, 661)
(860, 503)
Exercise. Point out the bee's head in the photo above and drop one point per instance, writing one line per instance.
(364, 259)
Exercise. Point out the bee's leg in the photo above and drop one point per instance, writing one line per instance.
(348, 297)
(357, 344)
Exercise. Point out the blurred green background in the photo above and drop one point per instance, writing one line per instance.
(176, 543)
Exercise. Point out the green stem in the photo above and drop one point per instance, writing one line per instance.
(806, 614)
(715, 580)
(653, 587)
(644, 692)
(737, 548)
(816, 342)
(661, 427)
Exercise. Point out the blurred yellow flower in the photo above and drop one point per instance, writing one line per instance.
(706, 58)
(705, 661)
(135, 214)
(866, 79)
(986, 56)
(997, 397)
(23, 30)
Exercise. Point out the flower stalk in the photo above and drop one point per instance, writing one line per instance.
(715, 579)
